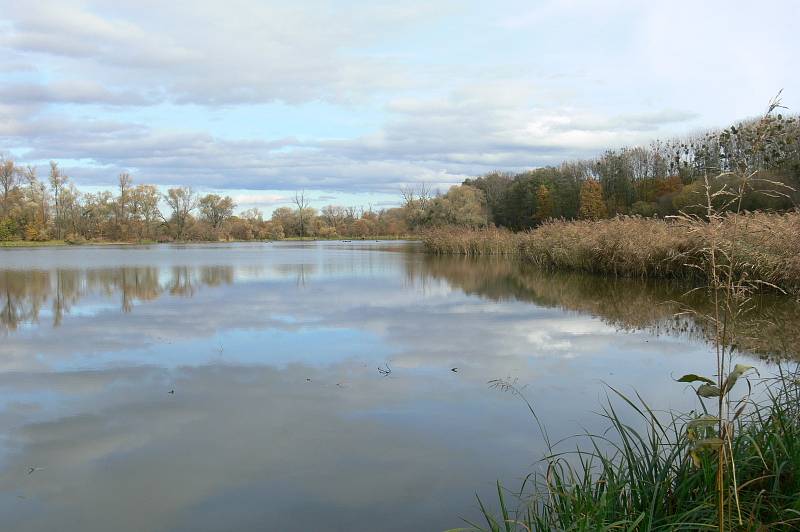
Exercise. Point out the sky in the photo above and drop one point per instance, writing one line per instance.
(350, 101)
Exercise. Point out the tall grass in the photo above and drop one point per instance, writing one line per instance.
(768, 246)
(628, 478)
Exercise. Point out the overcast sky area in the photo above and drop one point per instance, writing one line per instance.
(352, 100)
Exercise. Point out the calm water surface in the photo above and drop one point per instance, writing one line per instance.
(280, 419)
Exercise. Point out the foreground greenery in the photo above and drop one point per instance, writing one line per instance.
(660, 472)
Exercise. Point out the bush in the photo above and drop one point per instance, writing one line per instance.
(36, 233)
(75, 239)
(645, 209)
(8, 230)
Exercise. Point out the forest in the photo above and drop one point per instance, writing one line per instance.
(660, 180)
(663, 179)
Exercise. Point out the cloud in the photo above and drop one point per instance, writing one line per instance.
(76, 92)
(259, 200)
(215, 54)
(353, 97)
(440, 142)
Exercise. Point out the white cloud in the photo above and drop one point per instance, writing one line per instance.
(423, 92)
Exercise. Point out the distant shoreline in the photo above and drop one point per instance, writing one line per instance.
(64, 243)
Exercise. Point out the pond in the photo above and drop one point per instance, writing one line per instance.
(313, 385)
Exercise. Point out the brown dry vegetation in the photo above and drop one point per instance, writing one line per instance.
(767, 246)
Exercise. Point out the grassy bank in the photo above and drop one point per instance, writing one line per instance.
(31, 243)
(766, 246)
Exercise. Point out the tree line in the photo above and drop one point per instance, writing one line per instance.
(52, 208)
(660, 180)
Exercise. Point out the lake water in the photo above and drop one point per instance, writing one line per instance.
(280, 417)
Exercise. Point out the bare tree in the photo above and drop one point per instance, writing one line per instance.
(37, 192)
(415, 201)
(333, 216)
(123, 200)
(302, 204)
(57, 182)
(408, 194)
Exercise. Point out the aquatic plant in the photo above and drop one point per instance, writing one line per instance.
(634, 478)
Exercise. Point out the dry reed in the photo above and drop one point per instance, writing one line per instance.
(768, 246)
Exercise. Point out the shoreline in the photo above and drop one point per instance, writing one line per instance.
(14, 244)
(764, 246)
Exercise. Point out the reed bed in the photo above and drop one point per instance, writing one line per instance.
(767, 246)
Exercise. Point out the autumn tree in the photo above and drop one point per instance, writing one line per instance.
(36, 196)
(592, 205)
(333, 216)
(544, 203)
(215, 209)
(144, 209)
(416, 201)
(181, 201)
(465, 206)
(286, 219)
(8, 182)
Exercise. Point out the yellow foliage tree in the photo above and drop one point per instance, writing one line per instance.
(592, 205)
(544, 204)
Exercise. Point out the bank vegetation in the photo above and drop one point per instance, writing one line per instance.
(767, 246)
